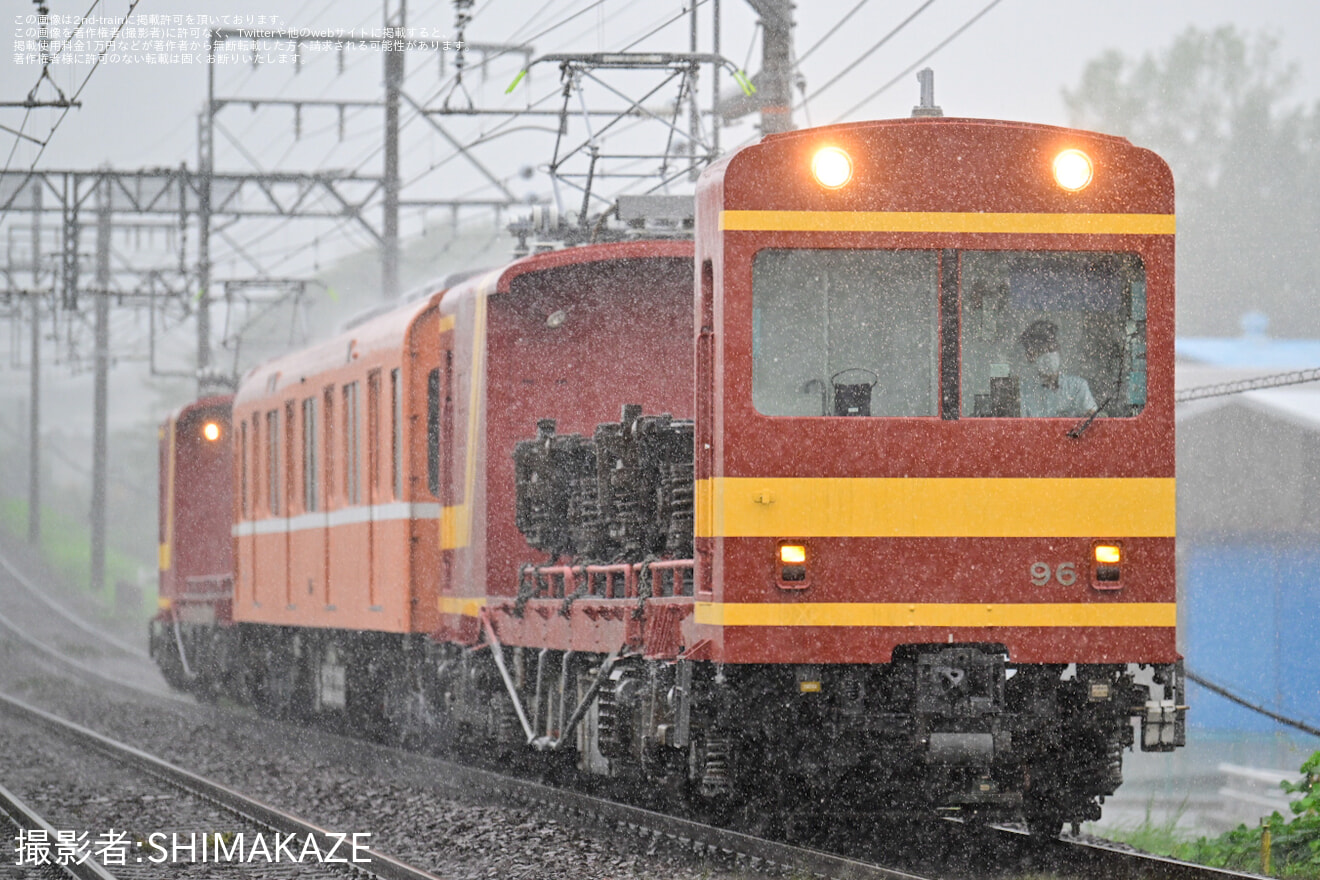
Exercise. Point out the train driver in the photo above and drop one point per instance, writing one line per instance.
(1051, 392)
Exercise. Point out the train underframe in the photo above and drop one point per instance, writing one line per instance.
(942, 729)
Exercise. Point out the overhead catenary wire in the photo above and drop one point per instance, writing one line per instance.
(4, 209)
(359, 164)
(1241, 386)
(664, 24)
(44, 68)
(869, 52)
(920, 61)
(831, 32)
(1245, 703)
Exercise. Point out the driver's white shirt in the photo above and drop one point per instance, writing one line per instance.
(1071, 399)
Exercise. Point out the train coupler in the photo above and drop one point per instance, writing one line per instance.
(1164, 717)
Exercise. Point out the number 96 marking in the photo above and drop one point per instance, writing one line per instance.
(1065, 574)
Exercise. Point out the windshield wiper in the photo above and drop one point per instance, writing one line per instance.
(1078, 429)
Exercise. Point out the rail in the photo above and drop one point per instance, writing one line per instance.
(26, 820)
(253, 810)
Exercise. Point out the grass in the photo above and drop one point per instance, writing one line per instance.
(66, 547)
(1161, 838)
(1294, 841)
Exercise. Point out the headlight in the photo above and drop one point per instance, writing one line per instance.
(832, 167)
(1073, 170)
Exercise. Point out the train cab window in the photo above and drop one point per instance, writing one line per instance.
(1052, 334)
(845, 332)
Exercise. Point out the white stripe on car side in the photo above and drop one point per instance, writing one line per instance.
(398, 510)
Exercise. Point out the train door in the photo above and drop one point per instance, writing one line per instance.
(249, 540)
(353, 541)
(328, 492)
(310, 539)
(243, 546)
(272, 546)
(440, 449)
(290, 503)
(165, 512)
(374, 493)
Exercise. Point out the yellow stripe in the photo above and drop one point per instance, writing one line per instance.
(1160, 614)
(456, 520)
(468, 607)
(875, 507)
(946, 221)
(167, 546)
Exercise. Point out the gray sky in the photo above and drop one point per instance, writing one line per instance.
(1010, 64)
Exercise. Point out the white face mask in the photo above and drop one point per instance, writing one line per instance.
(1048, 364)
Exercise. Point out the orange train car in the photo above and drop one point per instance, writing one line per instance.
(856, 499)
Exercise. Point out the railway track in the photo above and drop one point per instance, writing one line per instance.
(227, 822)
(960, 853)
(18, 821)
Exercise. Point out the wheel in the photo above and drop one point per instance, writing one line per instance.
(1045, 826)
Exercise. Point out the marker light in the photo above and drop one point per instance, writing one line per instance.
(792, 554)
(1108, 554)
(832, 167)
(211, 431)
(1072, 170)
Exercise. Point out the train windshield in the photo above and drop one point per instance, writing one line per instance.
(845, 332)
(1052, 334)
(1040, 334)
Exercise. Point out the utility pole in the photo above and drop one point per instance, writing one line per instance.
(715, 120)
(776, 78)
(393, 84)
(694, 109)
(205, 172)
(34, 414)
(100, 402)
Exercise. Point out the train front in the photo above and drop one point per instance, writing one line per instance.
(935, 465)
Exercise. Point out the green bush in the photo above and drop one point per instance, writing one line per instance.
(1294, 844)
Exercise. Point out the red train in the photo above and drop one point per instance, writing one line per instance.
(886, 521)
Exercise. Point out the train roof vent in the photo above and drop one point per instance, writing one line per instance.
(657, 210)
(632, 217)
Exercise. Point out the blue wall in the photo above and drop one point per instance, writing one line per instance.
(1252, 625)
